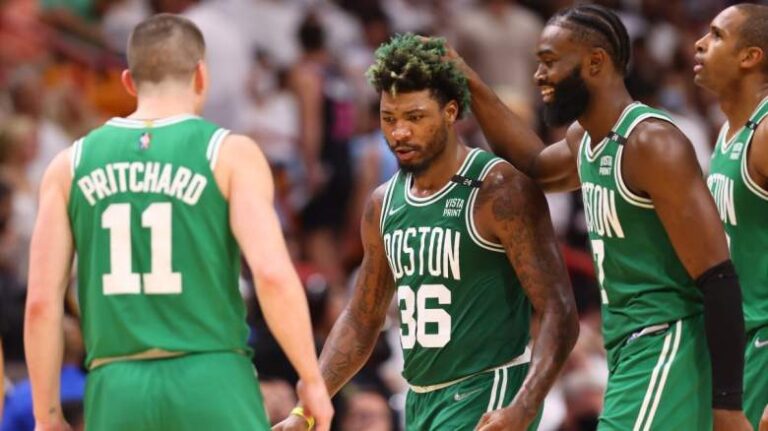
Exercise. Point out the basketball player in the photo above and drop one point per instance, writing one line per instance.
(157, 207)
(670, 296)
(465, 242)
(731, 62)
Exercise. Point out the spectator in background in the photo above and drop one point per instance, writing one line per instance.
(119, 18)
(410, 15)
(29, 97)
(11, 289)
(227, 56)
(499, 38)
(18, 148)
(271, 118)
(23, 38)
(74, 18)
(19, 415)
(271, 115)
(376, 30)
(327, 121)
(373, 164)
(367, 410)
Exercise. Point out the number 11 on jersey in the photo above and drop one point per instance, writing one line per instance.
(121, 280)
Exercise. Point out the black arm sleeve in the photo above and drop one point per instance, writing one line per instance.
(724, 326)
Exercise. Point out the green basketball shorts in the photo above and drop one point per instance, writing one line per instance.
(460, 406)
(661, 381)
(756, 375)
(204, 391)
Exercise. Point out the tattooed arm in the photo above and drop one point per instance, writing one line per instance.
(353, 336)
(355, 332)
(511, 210)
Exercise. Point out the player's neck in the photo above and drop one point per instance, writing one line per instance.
(163, 103)
(605, 107)
(741, 100)
(442, 169)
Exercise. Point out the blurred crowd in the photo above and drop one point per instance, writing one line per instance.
(290, 73)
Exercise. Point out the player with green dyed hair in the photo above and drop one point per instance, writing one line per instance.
(465, 243)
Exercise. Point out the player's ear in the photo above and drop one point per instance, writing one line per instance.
(451, 112)
(596, 61)
(751, 56)
(128, 83)
(201, 78)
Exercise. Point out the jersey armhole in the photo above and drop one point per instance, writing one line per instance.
(386, 201)
(474, 234)
(214, 145)
(751, 184)
(76, 156)
(628, 195)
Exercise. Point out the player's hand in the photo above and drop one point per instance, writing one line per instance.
(316, 402)
(291, 423)
(764, 420)
(730, 420)
(452, 55)
(512, 418)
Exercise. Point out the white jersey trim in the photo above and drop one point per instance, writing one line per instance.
(132, 123)
(654, 392)
(214, 145)
(624, 191)
(387, 199)
(474, 234)
(524, 358)
(427, 200)
(77, 151)
(748, 181)
(591, 153)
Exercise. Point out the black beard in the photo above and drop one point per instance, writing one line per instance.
(571, 100)
(436, 147)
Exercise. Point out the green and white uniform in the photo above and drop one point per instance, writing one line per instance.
(743, 208)
(465, 320)
(158, 270)
(648, 298)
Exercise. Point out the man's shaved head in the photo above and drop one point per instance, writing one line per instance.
(754, 29)
(163, 47)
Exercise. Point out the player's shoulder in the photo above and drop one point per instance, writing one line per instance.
(376, 198)
(656, 138)
(59, 173)
(758, 154)
(573, 136)
(504, 180)
(240, 150)
(761, 134)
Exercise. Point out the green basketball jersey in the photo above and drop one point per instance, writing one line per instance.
(743, 208)
(642, 281)
(157, 263)
(461, 305)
